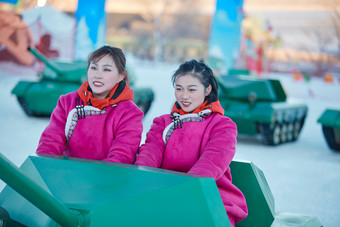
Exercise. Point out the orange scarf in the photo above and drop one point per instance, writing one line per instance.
(120, 92)
(215, 107)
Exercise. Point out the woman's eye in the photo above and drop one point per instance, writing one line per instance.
(192, 90)
(107, 70)
(178, 89)
(93, 68)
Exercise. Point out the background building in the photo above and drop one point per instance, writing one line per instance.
(304, 34)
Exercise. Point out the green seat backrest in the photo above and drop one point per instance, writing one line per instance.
(260, 201)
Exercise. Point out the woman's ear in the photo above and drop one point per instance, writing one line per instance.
(208, 90)
(122, 76)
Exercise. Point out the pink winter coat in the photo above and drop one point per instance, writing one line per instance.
(203, 148)
(112, 134)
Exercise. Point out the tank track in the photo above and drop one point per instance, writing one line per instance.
(23, 104)
(28, 112)
(279, 133)
(328, 133)
(144, 106)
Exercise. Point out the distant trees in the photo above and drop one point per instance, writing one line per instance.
(325, 35)
(335, 18)
(169, 20)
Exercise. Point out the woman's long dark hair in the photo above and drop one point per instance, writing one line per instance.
(203, 73)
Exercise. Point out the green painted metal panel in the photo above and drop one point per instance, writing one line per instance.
(241, 87)
(253, 184)
(262, 112)
(246, 115)
(232, 72)
(279, 90)
(245, 126)
(21, 88)
(113, 194)
(330, 117)
(43, 97)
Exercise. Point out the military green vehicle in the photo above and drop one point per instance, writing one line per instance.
(62, 191)
(39, 98)
(330, 121)
(260, 107)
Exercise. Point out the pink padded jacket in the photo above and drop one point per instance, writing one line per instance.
(112, 134)
(197, 147)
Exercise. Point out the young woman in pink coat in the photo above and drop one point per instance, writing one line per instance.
(195, 137)
(100, 121)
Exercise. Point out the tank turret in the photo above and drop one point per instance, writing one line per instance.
(260, 107)
(63, 71)
(39, 98)
(330, 121)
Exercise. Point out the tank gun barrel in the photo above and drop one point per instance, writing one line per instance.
(42, 58)
(252, 89)
(30, 190)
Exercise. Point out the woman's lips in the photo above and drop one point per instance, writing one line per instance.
(97, 83)
(186, 104)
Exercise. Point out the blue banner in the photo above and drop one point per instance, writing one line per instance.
(10, 1)
(225, 34)
(91, 27)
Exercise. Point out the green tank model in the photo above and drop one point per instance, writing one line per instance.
(260, 107)
(39, 98)
(330, 121)
(62, 191)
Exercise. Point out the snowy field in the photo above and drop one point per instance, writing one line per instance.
(304, 176)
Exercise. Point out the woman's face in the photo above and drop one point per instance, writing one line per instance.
(190, 92)
(103, 75)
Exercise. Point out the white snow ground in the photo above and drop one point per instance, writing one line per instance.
(304, 176)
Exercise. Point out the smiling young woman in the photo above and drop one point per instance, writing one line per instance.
(195, 137)
(190, 92)
(100, 121)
